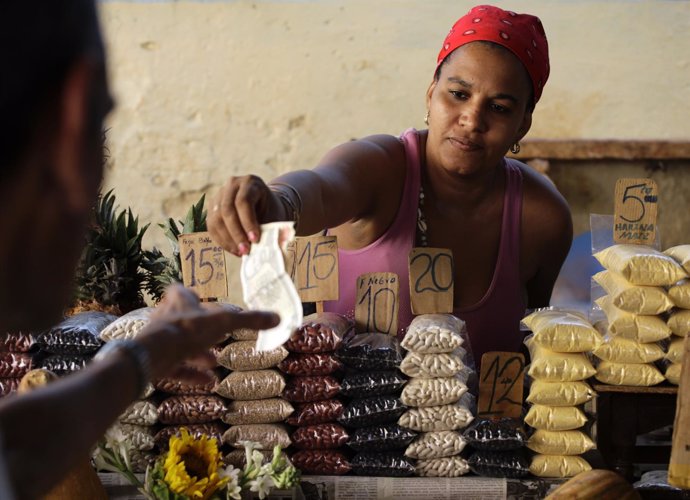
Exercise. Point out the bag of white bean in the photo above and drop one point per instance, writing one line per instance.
(437, 444)
(442, 467)
(432, 391)
(140, 413)
(434, 333)
(440, 418)
(432, 365)
(127, 326)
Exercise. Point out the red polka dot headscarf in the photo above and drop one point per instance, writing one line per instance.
(522, 34)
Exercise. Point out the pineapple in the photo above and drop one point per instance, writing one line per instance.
(161, 271)
(109, 276)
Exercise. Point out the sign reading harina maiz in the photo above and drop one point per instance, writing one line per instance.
(635, 211)
(203, 265)
(376, 307)
(431, 280)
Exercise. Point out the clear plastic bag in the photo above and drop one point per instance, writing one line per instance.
(640, 375)
(320, 332)
(377, 410)
(140, 413)
(633, 298)
(433, 365)
(179, 386)
(680, 294)
(267, 436)
(191, 409)
(433, 391)
(438, 444)
(437, 418)
(622, 350)
(679, 322)
(509, 464)
(242, 355)
(555, 418)
(371, 351)
(442, 467)
(387, 437)
(559, 393)
(562, 331)
(140, 437)
(641, 265)
(560, 442)
(254, 384)
(558, 466)
(388, 464)
(17, 342)
(379, 383)
(64, 364)
(309, 389)
(321, 462)
(497, 435)
(681, 254)
(317, 412)
(127, 326)
(434, 333)
(260, 411)
(213, 430)
(77, 334)
(320, 437)
(310, 364)
(15, 365)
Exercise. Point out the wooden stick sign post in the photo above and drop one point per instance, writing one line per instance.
(312, 264)
(432, 277)
(679, 466)
(635, 211)
(500, 385)
(376, 307)
(203, 265)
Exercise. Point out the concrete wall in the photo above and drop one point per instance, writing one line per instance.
(206, 90)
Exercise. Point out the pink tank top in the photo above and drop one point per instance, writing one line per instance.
(492, 323)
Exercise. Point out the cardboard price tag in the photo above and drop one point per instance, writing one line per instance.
(679, 466)
(312, 264)
(432, 276)
(376, 307)
(203, 265)
(500, 385)
(635, 211)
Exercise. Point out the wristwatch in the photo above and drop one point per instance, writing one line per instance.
(136, 352)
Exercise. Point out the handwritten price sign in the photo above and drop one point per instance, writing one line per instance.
(203, 265)
(500, 385)
(376, 308)
(635, 211)
(431, 280)
(312, 264)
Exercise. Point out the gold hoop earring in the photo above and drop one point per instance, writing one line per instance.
(515, 148)
(426, 117)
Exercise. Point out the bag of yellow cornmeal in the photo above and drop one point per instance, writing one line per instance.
(562, 331)
(558, 465)
(555, 418)
(633, 298)
(560, 442)
(639, 375)
(622, 350)
(557, 366)
(673, 373)
(680, 254)
(559, 393)
(675, 350)
(679, 322)
(633, 326)
(641, 265)
(680, 294)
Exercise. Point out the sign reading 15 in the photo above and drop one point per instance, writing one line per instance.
(204, 270)
(315, 262)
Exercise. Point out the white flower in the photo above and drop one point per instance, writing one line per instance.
(261, 485)
(231, 473)
(257, 459)
(233, 491)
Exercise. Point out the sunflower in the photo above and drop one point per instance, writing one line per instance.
(191, 466)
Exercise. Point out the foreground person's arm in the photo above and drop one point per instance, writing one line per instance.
(46, 432)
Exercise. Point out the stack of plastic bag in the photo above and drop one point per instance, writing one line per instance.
(439, 377)
(16, 360)
(635, 305)
(313, 384)
(679, 319)
(558, 369)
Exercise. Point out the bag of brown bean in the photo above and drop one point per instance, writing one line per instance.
(321, 462)
(17, 342)
(306, 364)
(308, 389)
(317, 412)
(267, 436)
(242, 356)
(320, 332)
(194, 409)
(379, 383)
(260, 411)
(254, 384)
(320, 437)
(377, 410)
(15, 365)
(213, 430)
(8, 386)
(202, 382)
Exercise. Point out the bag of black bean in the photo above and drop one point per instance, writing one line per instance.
(380, 383)
(508, 464)
(321, 462)
(320, 332)
(387, 437)
(317, 412)
(310, 364)
(77, 334)
(64, 364)
(371, 351)
(502, 434)
(377, 410)
(389, 464)
(308, 389)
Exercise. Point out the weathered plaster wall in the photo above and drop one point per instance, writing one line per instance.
(206, 90)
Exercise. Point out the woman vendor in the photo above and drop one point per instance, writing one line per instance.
(449, 186)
